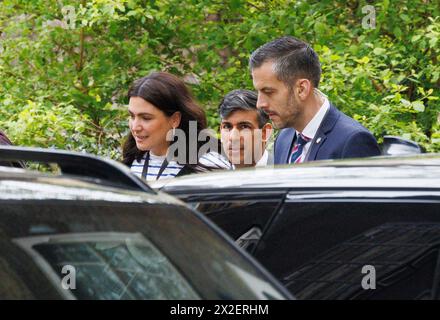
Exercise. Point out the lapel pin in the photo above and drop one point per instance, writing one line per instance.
(318, 140)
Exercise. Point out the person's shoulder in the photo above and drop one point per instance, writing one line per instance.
(286, 132)
(347, 123)
(285, 135)
(356, 140)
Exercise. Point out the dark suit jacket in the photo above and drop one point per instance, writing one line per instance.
(338, 137)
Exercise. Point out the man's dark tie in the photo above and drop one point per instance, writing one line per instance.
(298, 149)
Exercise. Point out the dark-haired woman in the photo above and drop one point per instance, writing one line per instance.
(160, 103)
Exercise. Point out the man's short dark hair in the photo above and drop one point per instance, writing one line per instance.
(292, 59)
(243, 100)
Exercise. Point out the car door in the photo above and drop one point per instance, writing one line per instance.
(338, 244)
(121, 250)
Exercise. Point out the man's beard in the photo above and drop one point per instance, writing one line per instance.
(292, 106)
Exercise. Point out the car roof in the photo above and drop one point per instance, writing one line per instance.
(421, 171)
(21, 184)
(81, 176)
(84, 166)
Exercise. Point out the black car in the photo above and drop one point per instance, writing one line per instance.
(94, 231)
(353, 229)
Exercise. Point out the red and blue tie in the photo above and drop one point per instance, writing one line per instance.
(301, 141)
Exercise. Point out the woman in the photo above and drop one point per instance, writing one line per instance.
(159, 105)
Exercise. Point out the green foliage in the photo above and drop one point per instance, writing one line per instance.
(65, 66)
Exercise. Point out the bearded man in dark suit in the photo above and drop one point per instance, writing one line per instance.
(286, 73)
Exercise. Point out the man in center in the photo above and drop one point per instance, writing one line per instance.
(244, 130)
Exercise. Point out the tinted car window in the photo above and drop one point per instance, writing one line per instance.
(404, 257)
(107, 266)
(319, 249)
(243, 220)
(236, 217)
(38, 237)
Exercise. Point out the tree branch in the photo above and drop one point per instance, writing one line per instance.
(81, 50)
(81, 45)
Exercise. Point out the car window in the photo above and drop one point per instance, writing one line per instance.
(236, 217)
(107, 266)
(403, 255)
(328, 250)
(243, 220)
(120, 250)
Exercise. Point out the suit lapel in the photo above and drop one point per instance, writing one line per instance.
(326, 126)
(290, 146)
(286, 145)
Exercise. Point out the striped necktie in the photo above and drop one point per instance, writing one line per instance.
(301, 141)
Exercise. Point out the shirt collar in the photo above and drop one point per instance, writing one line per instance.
(314, 124)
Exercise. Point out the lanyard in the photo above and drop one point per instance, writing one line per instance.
(146, 164)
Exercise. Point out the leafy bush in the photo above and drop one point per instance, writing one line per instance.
(65, 66)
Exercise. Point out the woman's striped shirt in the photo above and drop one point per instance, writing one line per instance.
(210, 161)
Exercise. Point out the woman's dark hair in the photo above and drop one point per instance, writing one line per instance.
(169, 94)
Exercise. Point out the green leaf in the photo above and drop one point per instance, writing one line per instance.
(379, 51)
(405, 102)
(397, 32)
(415, 38)
(418, 106)
(320, 28)
(364, 60)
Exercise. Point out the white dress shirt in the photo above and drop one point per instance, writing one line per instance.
(312, 128)
(263, 160)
